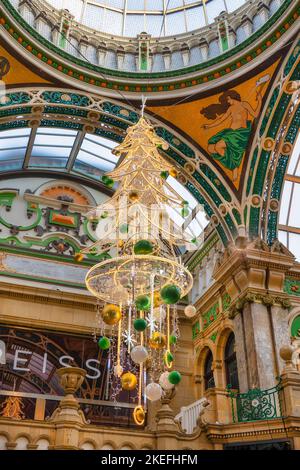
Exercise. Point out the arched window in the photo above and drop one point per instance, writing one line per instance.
(208, 372)
(230, 363)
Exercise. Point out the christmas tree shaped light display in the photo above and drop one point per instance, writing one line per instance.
(142, 282)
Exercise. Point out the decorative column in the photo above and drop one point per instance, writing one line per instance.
(290, 381)
(167, 428)
(254, 274)
(68, 417)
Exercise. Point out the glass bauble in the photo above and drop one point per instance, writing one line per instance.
(190, 311)
(164, 381)
(111, 314)
(139, 354)
(153, 391)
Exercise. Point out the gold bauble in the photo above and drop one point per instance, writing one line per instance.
(173, 172)
(157, 340)
(139, 415)
(78, 257)
(156, 299)
(128, 381)
(133, 196)
(111, 314)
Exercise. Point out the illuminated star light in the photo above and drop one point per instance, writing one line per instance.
(151, 322)
(129, 339)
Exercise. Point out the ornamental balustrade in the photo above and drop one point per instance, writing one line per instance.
(189, 415)
(256, 404)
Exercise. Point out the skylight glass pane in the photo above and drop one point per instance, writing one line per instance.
(93, 17)
(294, 217)
(215, 8)
(52, 148)
(195, 18)
(295, 156)
(134, 24)
(175, 23)
(135, 5)
(94, 161)
(94, 149)
(13, 146)
(113, 22)
(173, 4)
(155, 4)
(285, 202)
(154, 25)
(113, 3)
(282, 237)
(234, 5)
(294, 244)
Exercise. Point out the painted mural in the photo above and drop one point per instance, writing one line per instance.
(229, 144)
(221, 124)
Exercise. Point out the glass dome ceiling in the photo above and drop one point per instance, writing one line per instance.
(78, 153)
(156, 17)
(289, 218)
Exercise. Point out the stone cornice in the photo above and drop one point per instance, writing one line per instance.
(47, 296)
(246, 431)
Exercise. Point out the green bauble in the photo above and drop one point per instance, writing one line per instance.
(109, 182)
(143, 247)
(174, 377)
(124, 228)
(104, 343)
(172, 339)
(170, 294)
(104, 215)
(185, 203)
(140, 324)
(164, 175)
(185, 211)
(143, 302)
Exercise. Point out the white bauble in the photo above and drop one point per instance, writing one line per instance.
(159, 314)
(118, 371)
(153, 391)
(164, 382)
(139, 354)
(190, 311)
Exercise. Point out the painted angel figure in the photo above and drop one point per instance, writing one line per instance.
(228, 145)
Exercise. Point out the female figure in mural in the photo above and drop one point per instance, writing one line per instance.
(228, 145)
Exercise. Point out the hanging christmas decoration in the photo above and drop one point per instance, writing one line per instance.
(164, 381)
(190, 311)
(104, 343)
(128, 381)
(111, 314)
(143, 279)
(153, 391)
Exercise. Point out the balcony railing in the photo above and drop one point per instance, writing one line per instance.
(97, 412)
(256, 404)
